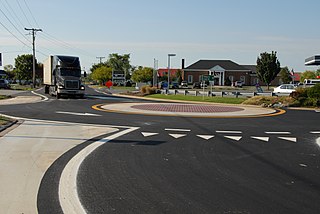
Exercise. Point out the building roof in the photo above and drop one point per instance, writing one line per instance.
(252, 68)
(208, 64)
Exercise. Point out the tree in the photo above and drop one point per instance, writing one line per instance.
(179, 76)
(268, 67)
(120, 63)
(23, 64)
(9, 70)
(102, 74)
(308, 75)
(143, 74)
(285, 75)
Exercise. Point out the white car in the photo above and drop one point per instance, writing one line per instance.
(285, 88)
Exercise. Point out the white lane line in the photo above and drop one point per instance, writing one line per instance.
(148, 134)
(178, 130)
(68, 192)
(44, 97)
(229, 132)
(78, 114)
(318, 141)
(277, 132)
(176, 136)
(206, 137)
(315, 132)
(265, 139)
(292, 139)
(236, 138)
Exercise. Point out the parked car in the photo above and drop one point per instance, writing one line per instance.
(4, 84)
(285, 88)
(175, 85)
(184, 84)
(203, 85)
(163, 85)
(238, 84)
(196, 85)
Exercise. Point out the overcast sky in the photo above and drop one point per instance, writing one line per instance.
(202, 29)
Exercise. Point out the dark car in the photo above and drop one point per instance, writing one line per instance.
(4, 84)
(196, 85)
(175, 85)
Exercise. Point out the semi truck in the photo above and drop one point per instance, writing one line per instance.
(62, 76)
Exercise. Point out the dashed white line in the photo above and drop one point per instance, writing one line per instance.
(78, 114)
(277, 132)
(178, 130)
(229, 132)
(315, 132)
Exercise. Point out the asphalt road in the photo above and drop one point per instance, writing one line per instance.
(186, 165)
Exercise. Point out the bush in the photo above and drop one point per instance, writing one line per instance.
(307, 97)
(146, 90)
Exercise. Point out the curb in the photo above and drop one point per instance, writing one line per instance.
(8, 125)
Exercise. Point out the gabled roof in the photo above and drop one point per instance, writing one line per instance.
(208, 64)
(252, 68)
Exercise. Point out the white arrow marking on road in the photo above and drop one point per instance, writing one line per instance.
(176, 136)
(148, 134)
(206, 137)
(292, 139)
(78, 114)
(237, 138)
(266, 139)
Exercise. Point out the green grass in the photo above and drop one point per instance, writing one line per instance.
(226, 100)
(4, 120)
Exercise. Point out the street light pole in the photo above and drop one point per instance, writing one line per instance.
(169, 55)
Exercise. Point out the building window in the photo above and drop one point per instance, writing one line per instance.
(190, 79)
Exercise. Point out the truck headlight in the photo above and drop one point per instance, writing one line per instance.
(82, 87)
(61, 87)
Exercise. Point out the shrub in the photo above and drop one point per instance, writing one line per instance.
(146, 90)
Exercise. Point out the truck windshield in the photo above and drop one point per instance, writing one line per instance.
(70, 72)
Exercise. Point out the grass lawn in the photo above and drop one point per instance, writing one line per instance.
(226, 100)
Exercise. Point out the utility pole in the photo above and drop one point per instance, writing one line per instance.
(34, 54)
(100, 57)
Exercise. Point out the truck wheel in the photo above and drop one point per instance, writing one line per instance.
(46, 89)
(58, 96)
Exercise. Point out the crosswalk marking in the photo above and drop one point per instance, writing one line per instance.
(292, 139)
(148, 134)
(176, 136)
(265, 139)
(237, 138)
(206, 137)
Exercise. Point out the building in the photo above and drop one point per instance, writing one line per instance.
(222, 72)
(163, 72)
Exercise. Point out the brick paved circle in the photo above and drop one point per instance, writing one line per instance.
(186, 108)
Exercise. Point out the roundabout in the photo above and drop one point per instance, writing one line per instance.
(188, 110)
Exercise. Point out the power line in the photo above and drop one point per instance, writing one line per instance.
(13, 34)
(31, 13)
(25, 16)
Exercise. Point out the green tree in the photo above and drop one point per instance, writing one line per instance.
(268, 67)
(9, 70)
(308, 75)
(102, 74)
(179, 76)
(285, 75)
(120, 63)
(23, 64)
(142, 74)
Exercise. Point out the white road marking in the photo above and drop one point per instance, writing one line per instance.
(265, 139)
(178, 130)
(237, 138)
(176, 136)
(315, 132)
(277, 132)
(229, 132)
(148, 134)
(68, 192)
(206, 137)
(318, 141)
(292, 139)
(44, 97)
(78, 114)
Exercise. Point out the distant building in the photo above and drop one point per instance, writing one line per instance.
(222, 71)
(164, 72)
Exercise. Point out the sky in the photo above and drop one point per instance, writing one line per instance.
(147, 30)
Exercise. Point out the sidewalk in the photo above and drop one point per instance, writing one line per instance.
(26, 155)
